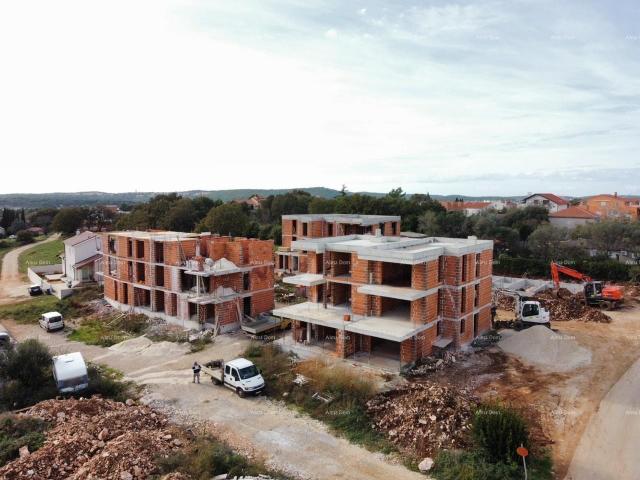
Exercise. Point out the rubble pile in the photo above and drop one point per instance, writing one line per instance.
(504, 302)
(570, 307)
(95, 439)
(424, 417)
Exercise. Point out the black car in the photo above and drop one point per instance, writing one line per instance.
(35, 290)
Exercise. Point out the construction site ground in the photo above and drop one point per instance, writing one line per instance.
(256, 426)
(564, 402)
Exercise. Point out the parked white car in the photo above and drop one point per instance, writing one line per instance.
(70, 373)
(51, 321)
(239, 375)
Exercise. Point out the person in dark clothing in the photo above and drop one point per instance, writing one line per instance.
(196, 372)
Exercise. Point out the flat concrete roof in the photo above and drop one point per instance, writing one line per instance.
(351, 219)
(394, 249)
(305, 279)
(395, 325)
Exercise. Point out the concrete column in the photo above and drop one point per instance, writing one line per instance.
(308, 332)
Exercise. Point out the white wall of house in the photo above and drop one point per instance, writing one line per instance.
(540, 201)
(77, 253)
(569, 222)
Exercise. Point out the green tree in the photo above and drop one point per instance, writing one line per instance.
(25, 372)
(68, 220)
(227, 219)
(546, 242)
(429, 224)
(181, 217)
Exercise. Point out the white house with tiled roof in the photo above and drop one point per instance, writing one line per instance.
(550, 201)
(82, 258)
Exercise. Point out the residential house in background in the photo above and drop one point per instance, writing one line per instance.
(550, 201)
(613, 207)
(572, 217)
(468, 208)
(253, 202)
(308, 226)
(82, 259)
(195, 280)
(392, 297)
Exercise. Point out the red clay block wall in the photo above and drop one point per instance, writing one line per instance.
(261, 302)
(287, 232)
(486, 262)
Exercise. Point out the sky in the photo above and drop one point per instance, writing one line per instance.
(486, 97)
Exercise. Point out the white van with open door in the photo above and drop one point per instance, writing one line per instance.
(70, 373)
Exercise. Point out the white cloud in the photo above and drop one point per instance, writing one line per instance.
(163, 95)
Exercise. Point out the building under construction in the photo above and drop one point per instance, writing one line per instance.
(308, 226)
(192, 279)
(397, 297)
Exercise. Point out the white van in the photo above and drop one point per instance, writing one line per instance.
(51, 321)
(70, 373)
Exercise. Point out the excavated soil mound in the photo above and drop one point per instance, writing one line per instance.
(542, 347)
(95, 439)
(570, 307)
(564, 307)
(424, 417)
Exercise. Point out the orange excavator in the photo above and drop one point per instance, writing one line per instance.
(596, 294)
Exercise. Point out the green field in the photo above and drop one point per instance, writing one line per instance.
(43, 254)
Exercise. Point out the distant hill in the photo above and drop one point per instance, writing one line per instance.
(76, 199)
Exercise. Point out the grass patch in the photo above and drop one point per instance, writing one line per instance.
(109, 331)
(29, 311)
(473, 465)
(108, 382)
(16, 432)
(43, 254)
(207, 457)
(345, 414)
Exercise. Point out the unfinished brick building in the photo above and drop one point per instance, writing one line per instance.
(192, 279)
(308, 226)
(396, 297)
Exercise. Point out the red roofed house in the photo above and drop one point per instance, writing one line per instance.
(551, 202)
(572, 217)
(613, 206)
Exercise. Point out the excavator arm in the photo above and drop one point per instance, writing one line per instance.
(557, 269)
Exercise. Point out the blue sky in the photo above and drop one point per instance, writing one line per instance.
(478, 98)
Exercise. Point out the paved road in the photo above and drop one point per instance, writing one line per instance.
(608, 449)
(12, 286)
(286, 440)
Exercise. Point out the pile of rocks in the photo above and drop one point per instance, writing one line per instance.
(424, 417)
(570, 307)
(96, 439)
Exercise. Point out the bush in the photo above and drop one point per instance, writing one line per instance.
(108, 383)
(207, 457)
(473, 465)
(26, 373)
(24, 237)
(499, 431)
(16, 432)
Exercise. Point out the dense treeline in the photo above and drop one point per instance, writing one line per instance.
(524, 240)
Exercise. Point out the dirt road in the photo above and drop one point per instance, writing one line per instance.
(12, 286)
(265, 429)
(608, 449)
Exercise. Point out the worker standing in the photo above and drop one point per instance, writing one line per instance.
(196, 372)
